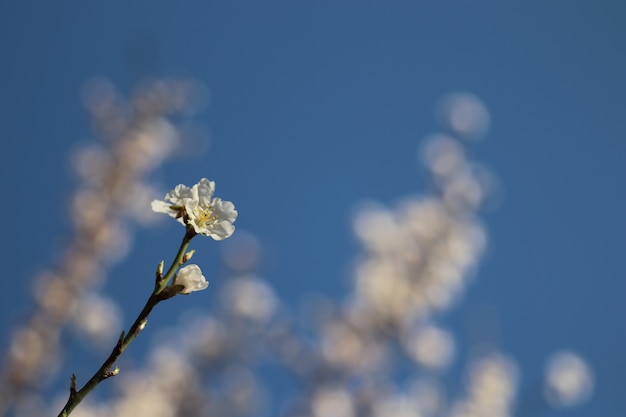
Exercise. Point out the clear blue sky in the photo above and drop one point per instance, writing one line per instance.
(315, 105)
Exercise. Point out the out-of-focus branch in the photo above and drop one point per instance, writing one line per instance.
(135, 139)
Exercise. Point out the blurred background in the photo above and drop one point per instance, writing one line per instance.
(317, 121)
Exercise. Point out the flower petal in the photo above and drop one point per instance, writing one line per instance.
(160, 206)
(205, 190)
(224, 209)
(219, 230)
(179, 194)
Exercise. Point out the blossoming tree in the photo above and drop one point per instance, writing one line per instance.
(415, 259)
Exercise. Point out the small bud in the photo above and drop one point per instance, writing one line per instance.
(187, 256)
(109, 374)
(159, 271)
(142, 325)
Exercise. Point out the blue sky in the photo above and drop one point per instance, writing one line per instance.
(317, 105)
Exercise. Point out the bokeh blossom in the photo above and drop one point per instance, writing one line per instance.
(379, 351)
(196, 206)
(191, 278)
(569, 379)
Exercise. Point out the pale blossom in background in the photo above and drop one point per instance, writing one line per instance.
(98, 318)
(398, 405)
(492, 385)
(332, 402)
(569, 380)
(249, 297)
(465, 114)
(430, 346)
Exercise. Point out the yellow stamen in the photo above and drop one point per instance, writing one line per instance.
(205, 215)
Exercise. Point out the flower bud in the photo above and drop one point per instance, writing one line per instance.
(187, 256)
(142, 325)
(191, 279)
(159, 271)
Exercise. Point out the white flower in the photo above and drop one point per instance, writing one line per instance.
(569, 379)
(196, 206)
(191, 278)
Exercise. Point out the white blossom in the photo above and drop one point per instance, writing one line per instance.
(569, 379)
(196, 206)
(191, 278)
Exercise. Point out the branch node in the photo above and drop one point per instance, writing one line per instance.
(73, 386)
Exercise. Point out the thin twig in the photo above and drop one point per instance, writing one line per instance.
(159, 294)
